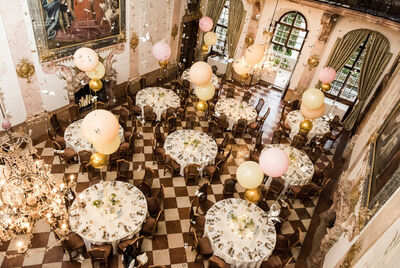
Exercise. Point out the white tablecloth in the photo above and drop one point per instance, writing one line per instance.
(109, 222)
(235, 109)
(300, 170)
(160, 99)
(320, 125)
(186, 75)
(191, 147)
(74, 138)
(240, 232)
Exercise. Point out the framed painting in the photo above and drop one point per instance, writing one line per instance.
(384, 177)
(62, 26)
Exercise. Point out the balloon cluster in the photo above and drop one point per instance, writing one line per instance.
(326, 76)
(201, 74)
(253, 55)
(162, 52)
(210, 38)
(87, 60)
(273, 162)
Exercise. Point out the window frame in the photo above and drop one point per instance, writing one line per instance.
(212, 50)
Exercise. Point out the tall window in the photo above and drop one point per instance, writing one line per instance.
(287, 42)
(345, 87)
(220, 29)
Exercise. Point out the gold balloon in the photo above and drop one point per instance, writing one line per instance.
(252, 195)
(249, 40)
(95, 84)
(163, 64)
(204, 48)
(325, 87)
(98, 160)
(202, 106)
(244, 77)
(306, 126)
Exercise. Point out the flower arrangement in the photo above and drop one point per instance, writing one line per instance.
(97, 203)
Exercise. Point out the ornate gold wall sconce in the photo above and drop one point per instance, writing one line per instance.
(174, 31)
(25, 69)
(249, 40)
(313, 61)
(134, 41)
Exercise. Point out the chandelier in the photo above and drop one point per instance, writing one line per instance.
(28, 192)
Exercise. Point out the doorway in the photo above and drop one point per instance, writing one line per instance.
(188, 43)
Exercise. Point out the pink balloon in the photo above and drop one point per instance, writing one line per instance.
(206, 24)
(100, 126)
(200, 73)
(161, 51)
(6, 124)
(327, 75)
(312, 114)
(274, 162)
(86, 59)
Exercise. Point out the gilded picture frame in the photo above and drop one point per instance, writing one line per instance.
(62, 26)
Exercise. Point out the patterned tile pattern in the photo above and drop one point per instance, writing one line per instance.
(172, 244)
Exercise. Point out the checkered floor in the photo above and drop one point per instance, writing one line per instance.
(172, 244)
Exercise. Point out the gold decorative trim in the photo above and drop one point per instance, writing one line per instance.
(25, 69)
(350, 255)
(134, 41)
(174, 31)
(249, 40)
(313, 61)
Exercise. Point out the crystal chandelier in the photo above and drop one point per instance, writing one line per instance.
(28, 192)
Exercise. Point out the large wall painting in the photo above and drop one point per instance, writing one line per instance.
(62, 26)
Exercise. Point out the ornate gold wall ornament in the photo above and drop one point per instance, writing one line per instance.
(313, 61)
(373, 137)
(249, 40)
(122, 37)
(350, 255)
(25, 69)
(174, 31)
(134, 41)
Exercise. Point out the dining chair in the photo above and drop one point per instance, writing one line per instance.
(74, 113)
(159, 81)
(247, 96)
(185, 84)
(67, 155)
(153, 206)
(214, 69)
(149, 228)
(191, 171)
(239, 128)
(168, 113)
(142, 82)
(134, 88)
(229, 187)
(295, 105)
(260, 105)
(55, 137)
(100, 105)
(299, 141)
(149, 114)
(100, 254)
(258, 145)
(135, 242)
(217, 262)
(210, 171)
(315, 153)
(258, 125)
(135, 110)
(213, 129)
(276, 187)
(84, 159)
(158, 156)
(273, 261)
(254, 155)
(202, 246)
(204, 203)
(224, 143)
(55, 124)
(145, 188)
(223, 121)
(73, 243)
(171, 124)
(113, 158)
(263, 202)
(171, 165)
(230, 92)
(190, 122)
(160, 139)
(182, 110)
(210, 112)
(123, 118)
(123, 168)
(197, 222)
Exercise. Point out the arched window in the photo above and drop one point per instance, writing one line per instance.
(287, 42)
(221, 29)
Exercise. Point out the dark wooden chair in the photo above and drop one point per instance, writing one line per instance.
(202, 246)
(276, 187)
(260, 105)
(213, 129)
(171, 165)
(74, 113)
(53, 136)
(239, 128)
(224, 143)
(159, 81)
(299, 141)
(84, 158)
(197, 222)
(100, 105)
(171, 124)
(149, 114)
(284, 243)
(247, 96)
(186, 84)
(182, 110)
(100, 254)
(123, 168)
(67, 155)
(223, 121)
(149, 228)
(135, 110)
(160, 139)
(295, 105)
(55, 124)
(217, 262)
(191, 172)
(72, 244)
(204, 203)
(168, 113)
(229, 187)
(273, 261)
(135, 242)
(191, 122)
(158, 155)
(230, 92)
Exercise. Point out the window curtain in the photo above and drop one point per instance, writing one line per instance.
(376, 58)
(214, 10)
(344, 48)
(235, 25)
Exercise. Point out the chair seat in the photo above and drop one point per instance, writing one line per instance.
(136, 109)
(69, 152)
(106, 248)
(215, 260)
(124, 146)
(295, 189)
(252, 125)
(204, 246)
(175, 165)
(147, 227)
(125, 243)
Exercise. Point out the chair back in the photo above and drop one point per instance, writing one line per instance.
(229, 186)
(230, 92)
(224, 143)
(260, 105)
(247, 96)
(97, 254)
(258, 142)
(190, 122)
(84, 156)
(212, 128)
(299, 141)
(191, 212)
(171, 124)
(122, 167)
(185, 84)
(55, 124)
(277, 185)
(148, 113)
(149, 174)
(130, 101)
(239, 127)
(157, 220)
(295, 105)
(56, 145)
(191, 171)
(74, 112)
(294, 239)
(50, 134)
(223, 120)
(228, 155)
(100, 105)
(169, 112)
(315, 153)
(142, 82)
(203, 192)
(159, 81)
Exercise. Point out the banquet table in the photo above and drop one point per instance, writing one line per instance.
(186, 75)
(320, 125)
(107, 213)
(240, 232)
(74, 137)
(160, 99)
(300, 170)
(235, 109)
(191, 147)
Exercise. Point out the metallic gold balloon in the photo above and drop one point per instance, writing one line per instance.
(202, 106)
(163, 64)
(249, 40)
(244, 77)
(306, 126)
(204, 48)
(95, 84)
(252, 195)
(325, 87)
(98, 160)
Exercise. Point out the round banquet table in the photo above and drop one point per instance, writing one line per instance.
(240, 232)
(160, 99)
(108, 222)
(300, 170)
(235, 109)
(74, 137)
(320, 125)
(191, 147)
(186, 75)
